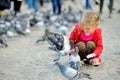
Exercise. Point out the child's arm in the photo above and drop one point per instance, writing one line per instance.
(99, 44)
(72, 43)
(73, 36)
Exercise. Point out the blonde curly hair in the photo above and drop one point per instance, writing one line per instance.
(89, 19)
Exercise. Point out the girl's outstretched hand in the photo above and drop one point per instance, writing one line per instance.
(91, 55)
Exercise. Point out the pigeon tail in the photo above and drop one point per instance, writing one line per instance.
(84, 75)
(41, 39)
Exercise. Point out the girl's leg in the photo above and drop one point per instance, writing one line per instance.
(90, 46)
(82, 50)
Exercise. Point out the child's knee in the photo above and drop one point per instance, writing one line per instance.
(81, 46)
(90, 45)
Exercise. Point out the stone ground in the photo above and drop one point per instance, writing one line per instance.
(24, 60)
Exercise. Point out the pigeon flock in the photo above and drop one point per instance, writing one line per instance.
(20, 25)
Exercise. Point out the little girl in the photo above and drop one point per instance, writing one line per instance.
(87, 36)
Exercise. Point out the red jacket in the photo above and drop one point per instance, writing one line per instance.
(97, 38)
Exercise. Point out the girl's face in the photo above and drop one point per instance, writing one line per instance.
(88, 28)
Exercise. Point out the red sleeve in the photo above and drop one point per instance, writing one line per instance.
(99, 43)
(72, 37)
(74, 33)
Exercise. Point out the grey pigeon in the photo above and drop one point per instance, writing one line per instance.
(55, 39)
(70, 73)
(74, 59)
(65, 51)
(63, 30)
(118, 11)
(43, 38)
(18, 29)
(61, 53)
(3, 41)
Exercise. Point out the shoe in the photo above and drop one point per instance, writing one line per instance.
(110, 16)
(95, 61)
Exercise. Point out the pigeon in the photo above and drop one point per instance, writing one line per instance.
(42, 38)
(39, 24)
(10, 34)
(3, 41)
(33, 21)
(70, 73)
(118, 11)
(63, 30)
(74, 59)
(61, 53)
(65, 51)
(18, 29)
(96, 2)
(55, 39)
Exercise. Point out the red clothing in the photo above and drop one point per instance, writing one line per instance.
(85, 38)
(97, 38)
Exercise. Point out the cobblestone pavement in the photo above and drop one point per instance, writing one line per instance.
(24, 60)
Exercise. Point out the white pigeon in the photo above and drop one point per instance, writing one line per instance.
(63, 30)
(27, 31)
(10, 34)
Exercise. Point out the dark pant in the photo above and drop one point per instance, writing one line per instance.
(85, 49)
(110, 6)
(56, 6)
(41, 2)
(88, 5)
(17, 5)
(101, 6)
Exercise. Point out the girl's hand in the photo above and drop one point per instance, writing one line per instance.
(91, 55)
